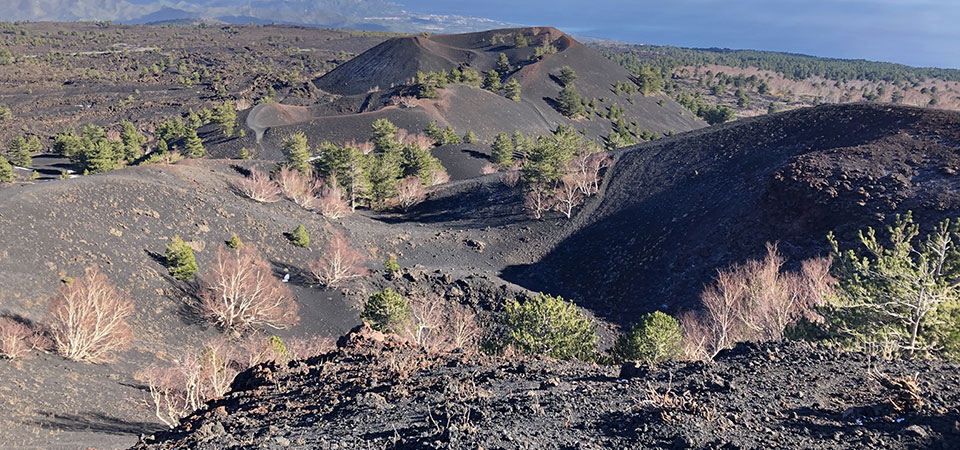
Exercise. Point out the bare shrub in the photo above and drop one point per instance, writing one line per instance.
(510, 178)
(408, 101)
(258, 187)
(410, 191)
(243, 293)
(89, 319)
(757, 300)
(439, 176)
(291, 183)
(340, 261)
(258, 349)
(191, 380)
(537, 201)
(302, 190)
(426, 314)
(463, 330)
(696, 336)
(217, 368)
(365, 147)
(439, 327)
(567, 194)
(255, 350)
(14, 338)
(488, 169)
(331, 202)
(170, 392)
(418, 140)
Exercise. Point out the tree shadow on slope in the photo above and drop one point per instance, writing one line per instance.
(94, 422)
(473, 204)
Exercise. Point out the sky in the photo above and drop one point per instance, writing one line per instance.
(914, 32)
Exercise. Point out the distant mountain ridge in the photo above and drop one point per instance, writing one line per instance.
(360, 14)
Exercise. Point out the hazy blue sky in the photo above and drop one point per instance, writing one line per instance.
(915, 32)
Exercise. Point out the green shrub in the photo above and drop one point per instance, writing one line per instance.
(901, 297)
(386, 311)
(391, 265)
(550, 326)
(654, 339)
(279, 349)
(180, 260)
(299, 237)
(234, 242)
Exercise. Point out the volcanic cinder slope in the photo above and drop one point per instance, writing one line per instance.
(359, 92)
(674, 211)
(376, 392)
(670, 213)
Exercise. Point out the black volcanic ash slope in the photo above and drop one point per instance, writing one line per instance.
(375, 392)
(674, 211)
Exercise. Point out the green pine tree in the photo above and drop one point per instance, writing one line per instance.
(567, 75)
(193, 146)
(19, 152)
(519, 41)
(180, 260)
(511, 90)
(298, 152)
(491, 81)
(552, 326)
(133, 141)
(502, 151)
(225, 115)
(570, 103)
(6, 171)
(98, 157)
(503, 64)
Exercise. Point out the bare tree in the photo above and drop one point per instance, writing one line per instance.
(331, 203)
(294, 185)
(758, 300)
(243, 293)
(463, 329)
(567, 194)
(196, 377)
(596, 163)
(721, 302)
(89, 319)
(340, 261)
(259, 187)
(427, 316)
(697, 338)
(410, 191)
(537, 201)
